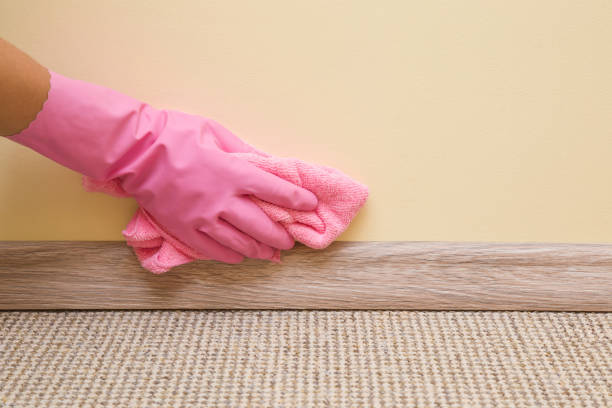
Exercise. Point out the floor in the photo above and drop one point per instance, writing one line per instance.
(305, 359)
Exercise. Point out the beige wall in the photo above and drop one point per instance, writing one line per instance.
(469, 120)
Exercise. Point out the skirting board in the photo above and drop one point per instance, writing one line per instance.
(346, 275)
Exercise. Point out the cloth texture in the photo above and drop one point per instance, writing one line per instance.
(339, 200)
(136, 359)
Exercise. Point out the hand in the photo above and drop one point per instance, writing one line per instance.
(174, 164)
(189, 183)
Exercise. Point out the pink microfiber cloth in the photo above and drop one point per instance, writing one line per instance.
(339, 196)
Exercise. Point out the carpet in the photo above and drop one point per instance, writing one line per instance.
(305, 359)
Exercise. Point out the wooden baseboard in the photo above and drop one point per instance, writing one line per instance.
(346, 275)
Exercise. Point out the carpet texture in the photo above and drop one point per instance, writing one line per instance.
(305, 358)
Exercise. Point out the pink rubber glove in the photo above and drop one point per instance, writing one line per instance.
(174, 164)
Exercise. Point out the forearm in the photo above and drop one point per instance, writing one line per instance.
(24, 85)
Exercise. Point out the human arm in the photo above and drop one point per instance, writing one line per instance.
(24, 85)
(176, 165)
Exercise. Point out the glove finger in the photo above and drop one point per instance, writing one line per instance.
(273, 189)
(249, 218)
(233, 238)
(209, 247)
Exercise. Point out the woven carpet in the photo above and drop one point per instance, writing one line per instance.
(305, 358)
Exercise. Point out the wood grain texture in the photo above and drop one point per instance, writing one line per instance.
(346, 275)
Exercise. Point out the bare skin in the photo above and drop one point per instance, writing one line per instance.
(24, 86)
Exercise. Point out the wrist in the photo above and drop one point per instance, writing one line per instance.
(89, 128)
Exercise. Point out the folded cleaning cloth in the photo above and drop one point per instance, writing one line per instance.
(339, 199)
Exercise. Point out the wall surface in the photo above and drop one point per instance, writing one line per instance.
(474, 120)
